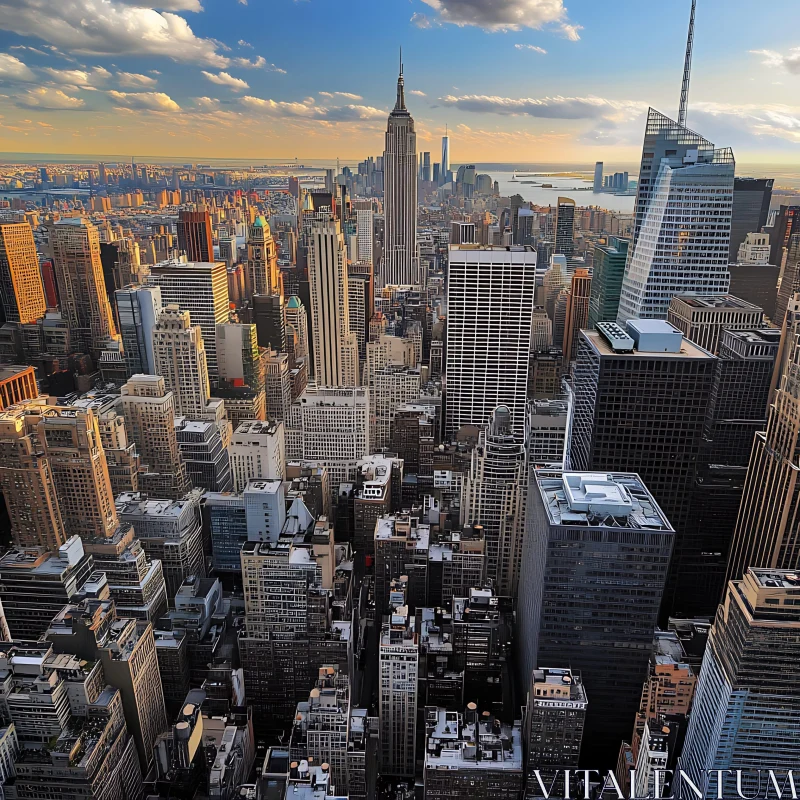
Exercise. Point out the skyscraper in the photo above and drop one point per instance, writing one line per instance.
(200, 289)
(494, 497)
(149, 411)
(682, 221)
(21, 289)
(577, 316)
(180, 358)
(81, 287)
(598, 177)
(748, 696)
(194, 236)
(262, 275)
(138, 308)
(400, 194)
(445, 165)
(607, 273)
(767, 531)
(490, 301)
(640, 405)
(751, 200)
(335, 347)
(594, 565)
(565, 227)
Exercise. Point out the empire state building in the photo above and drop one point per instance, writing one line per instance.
(400, 194)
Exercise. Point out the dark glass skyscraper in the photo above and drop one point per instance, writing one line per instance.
(751, 199)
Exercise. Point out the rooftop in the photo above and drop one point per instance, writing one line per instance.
(602, 347)
(720, 302)
(600, 499)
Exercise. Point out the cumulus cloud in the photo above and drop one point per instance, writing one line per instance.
(309, 110)
(569, 31)
(109, 27)
(509, 15)
(531, 47)
(144, 101)
(546, 107)
(47, 98)
(169, 5)
(226, 79)
(418, 93)
(12, 69)
(135, 80)
(243, 43)
(206, 103)
(789, 61)
(78, 77)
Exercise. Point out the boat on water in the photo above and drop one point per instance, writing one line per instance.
(514, 178)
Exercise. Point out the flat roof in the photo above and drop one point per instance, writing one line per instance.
(716, 302)
(603, 348)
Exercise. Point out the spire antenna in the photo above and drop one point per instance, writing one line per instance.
(687, 70)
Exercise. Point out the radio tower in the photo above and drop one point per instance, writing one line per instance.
(687, 70)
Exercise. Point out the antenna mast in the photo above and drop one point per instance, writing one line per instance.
(687, 70)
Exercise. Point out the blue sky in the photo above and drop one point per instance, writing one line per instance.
(516, 80)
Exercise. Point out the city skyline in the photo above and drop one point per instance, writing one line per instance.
(82, 79)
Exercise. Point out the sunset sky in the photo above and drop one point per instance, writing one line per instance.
(515, 80)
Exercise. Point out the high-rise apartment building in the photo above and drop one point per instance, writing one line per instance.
(238, 355)
(581, 524)
(607, 274)
(257, 450)
(180, 358)
(297, 318)
(400, 194)
(494, 497)
(270, 318)
(21, 288)
(262, 274)
(555, 714)
(202, 290)
(748, 696)
(390, 387)
(194, 236)
(149, 411)
(565, 227)
(335, 347)
(138, 308)
(398, 666)
(331, 427)
(490, 301)
(75, 243)
(703, 319)
(682, 221)
(28, 485)
(751, 201)
(205, 454)
(365, 233)
(640, 403)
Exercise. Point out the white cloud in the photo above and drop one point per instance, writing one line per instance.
(531, 47)
(421, 20)
(135, 80)
(243, 43)
(508, 15)
(206, 103)
(569, 31)
(789, 61)
(48, 98)
(168, 5)
(109, 27)
(546, 107)
(418, 93)
(12, 69)
(309, 110)
(144, 101)
(348, 95)
(226, 79)
(78, 77)
(259, 62)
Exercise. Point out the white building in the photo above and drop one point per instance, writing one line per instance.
(257, 450)
(490, 301)
(335, 347)
(365, 233)
(180, 358)
(400, 195)
(683, 221)
(265, 510)
(331, 427)
(754, 249)
(138, 308)
(202, 290)
(297, 318)
(390, 388)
